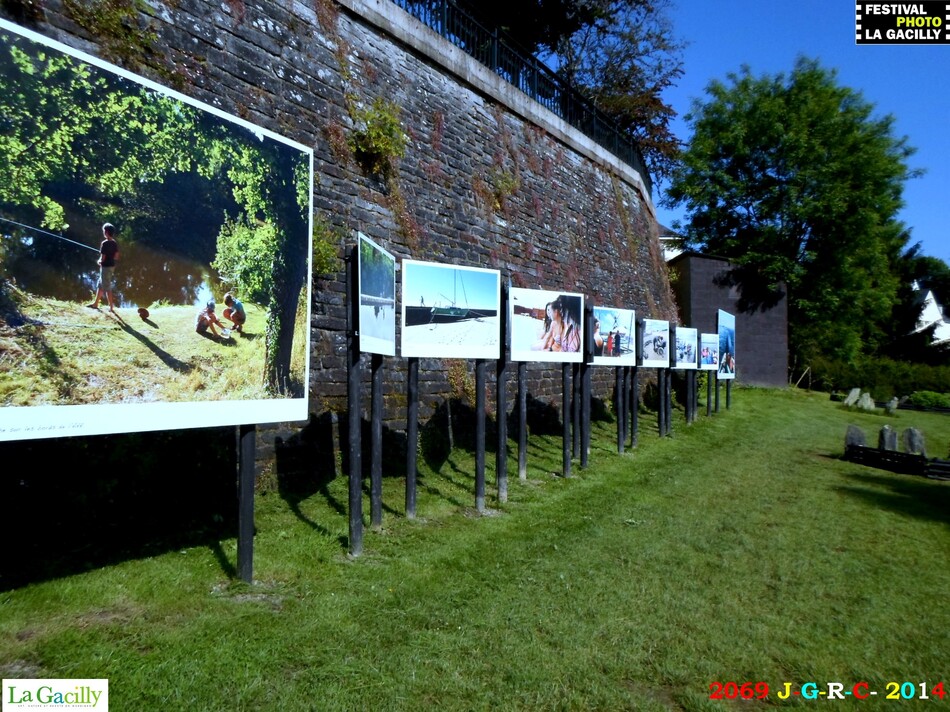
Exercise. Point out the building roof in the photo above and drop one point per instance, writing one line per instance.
(932, 314)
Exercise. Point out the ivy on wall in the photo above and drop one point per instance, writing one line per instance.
(117, 26)
(377, 140)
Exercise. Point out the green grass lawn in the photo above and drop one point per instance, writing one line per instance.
(741, 549)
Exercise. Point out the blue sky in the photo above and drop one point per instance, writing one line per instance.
(910, 82)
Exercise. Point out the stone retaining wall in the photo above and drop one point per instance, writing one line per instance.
(488, 177)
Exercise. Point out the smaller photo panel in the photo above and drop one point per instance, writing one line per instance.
(546, 325)
(708, 352)
(686, 347)
(449, 311)
(727, 346)
(377, 315)
(614, 337)
(655, 344)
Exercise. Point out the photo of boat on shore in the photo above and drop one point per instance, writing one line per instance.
(449, 311)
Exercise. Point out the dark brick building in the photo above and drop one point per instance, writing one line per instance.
(761, 336)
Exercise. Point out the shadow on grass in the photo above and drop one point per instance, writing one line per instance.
(437, 445)
(542, 418)
(307, 462)
(310, 459)
(438, 436)
(30, 333)
(907, 494)
(162, 355)
(75, 504)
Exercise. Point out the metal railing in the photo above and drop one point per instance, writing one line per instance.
(531, 76)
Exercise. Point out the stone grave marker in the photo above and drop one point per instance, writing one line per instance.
(865, 402)
(914, 442)
(855, 436)
(887, 438)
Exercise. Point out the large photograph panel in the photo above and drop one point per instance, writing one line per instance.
(614, 336)
(155, 254)
(377, 277)
(546, 325)
(727, 345)
(450, 311)
(655, 343)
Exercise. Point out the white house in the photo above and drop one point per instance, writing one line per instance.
(930, 314)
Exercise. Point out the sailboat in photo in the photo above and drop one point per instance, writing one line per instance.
(454, 310)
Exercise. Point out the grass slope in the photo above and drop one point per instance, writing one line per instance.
(57, 353)
(740, 549)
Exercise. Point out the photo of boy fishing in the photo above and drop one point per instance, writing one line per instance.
(108, 255)
(171, 237)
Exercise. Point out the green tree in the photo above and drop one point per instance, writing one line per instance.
(377, 273)
(795, 181)
(541, 25)
(619, 54)
(244, 255)
(43, 101)
(933, 273)
(622, 61)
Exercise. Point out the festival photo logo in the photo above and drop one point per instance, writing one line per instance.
(907, 23)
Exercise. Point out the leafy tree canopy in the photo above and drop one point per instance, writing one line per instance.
(794, 180)
(934, 274)
(65, 123)
(623, 62)
(539, 25)
(619, 54)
